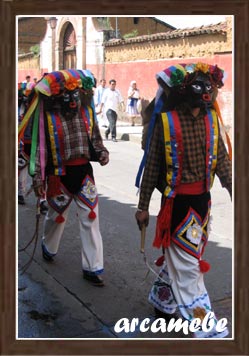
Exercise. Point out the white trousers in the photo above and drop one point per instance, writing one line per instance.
(91, 239)
(183, 289)
(22, 181)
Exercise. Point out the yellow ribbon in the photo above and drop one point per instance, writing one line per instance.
(26, 118)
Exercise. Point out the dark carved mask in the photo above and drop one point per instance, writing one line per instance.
(70, 101)
(199, 93)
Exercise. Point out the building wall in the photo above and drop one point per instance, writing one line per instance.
(136, 59)
(140, 60)
(144, 73)
(31, 30)
(145, 25)
(198, 46)
(89, 48)
(29, 65)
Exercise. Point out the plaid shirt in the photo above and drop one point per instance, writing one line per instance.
(75, 143)
(76, 138)
(193, 168)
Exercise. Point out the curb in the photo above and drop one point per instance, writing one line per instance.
(123, 134)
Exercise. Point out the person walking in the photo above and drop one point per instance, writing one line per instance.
(132, 102)
(112, 100)
(183, 154)
(97, 101)
(65, 138)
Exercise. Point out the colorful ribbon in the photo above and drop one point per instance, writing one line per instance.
(42, 141)
(34, 141)
(26, 117)
(157, 110)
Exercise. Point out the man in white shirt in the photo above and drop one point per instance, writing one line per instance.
(111, 100)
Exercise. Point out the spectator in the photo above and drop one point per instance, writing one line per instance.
(97, 101)
(132, 102)
(112, 100)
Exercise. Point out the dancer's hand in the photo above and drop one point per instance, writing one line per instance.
(142, 217)
(104, 158)
(39, 191)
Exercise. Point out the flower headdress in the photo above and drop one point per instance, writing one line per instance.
(178, 75)
(53, 84)
(181, 75)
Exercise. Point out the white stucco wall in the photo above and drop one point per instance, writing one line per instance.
(94, 46)
(45, 51)
(94, 43)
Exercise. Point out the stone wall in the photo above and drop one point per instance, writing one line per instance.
(202, 42)
(28, 65)
(202, 46)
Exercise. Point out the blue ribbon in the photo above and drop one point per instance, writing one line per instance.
(157, 109)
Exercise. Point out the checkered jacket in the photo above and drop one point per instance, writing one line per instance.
(194, 166)
(75, 143)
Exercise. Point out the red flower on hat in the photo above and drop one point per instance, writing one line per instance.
(55, 88)
(71, 84)
(217, 74)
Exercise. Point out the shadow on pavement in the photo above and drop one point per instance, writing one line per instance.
(55, 301)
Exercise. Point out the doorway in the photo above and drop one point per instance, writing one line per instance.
(69, 48)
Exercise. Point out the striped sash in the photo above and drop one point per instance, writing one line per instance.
(56, 139)
(174, 149)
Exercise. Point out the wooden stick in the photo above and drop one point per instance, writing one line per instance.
(143, 230)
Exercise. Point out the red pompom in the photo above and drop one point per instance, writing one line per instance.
(59, 219)
(204, 266)
(92, 215)
(159, 261)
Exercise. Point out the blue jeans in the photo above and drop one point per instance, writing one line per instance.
(112, 118)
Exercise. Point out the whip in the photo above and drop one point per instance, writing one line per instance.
(150, 269)
(34, 238)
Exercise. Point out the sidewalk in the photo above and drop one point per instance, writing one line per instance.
(125, 131)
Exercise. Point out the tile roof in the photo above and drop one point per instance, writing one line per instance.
(220, 28)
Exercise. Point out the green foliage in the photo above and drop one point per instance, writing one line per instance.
(35, 50)
(134, 33)
(104, 22)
